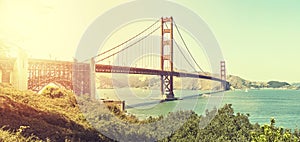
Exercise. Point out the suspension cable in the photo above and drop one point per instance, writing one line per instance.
(124, 41)
(129, 45)
(184, 56)
(187, 47)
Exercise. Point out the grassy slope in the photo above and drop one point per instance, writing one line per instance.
(54, 118)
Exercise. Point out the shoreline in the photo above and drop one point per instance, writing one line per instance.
(264, 89)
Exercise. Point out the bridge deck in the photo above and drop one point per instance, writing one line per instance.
(133, 70)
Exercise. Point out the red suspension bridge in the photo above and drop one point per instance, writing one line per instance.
(143, 53)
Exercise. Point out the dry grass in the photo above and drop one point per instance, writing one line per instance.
(46, 117)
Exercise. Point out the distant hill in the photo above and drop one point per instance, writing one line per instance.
(120, 81)
(277, 84)
(237, 82)
(296, 84)
(139, 81)
(153, 82)
(108, 82)
(240, 83)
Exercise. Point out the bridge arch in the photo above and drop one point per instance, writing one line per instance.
(36, 85)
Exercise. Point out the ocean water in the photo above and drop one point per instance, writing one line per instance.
(262, 105)
(283, 105)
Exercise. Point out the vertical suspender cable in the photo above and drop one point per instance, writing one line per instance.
(187, 47)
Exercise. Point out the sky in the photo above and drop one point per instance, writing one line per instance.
(259, 39)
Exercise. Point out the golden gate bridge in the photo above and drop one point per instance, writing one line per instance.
(79, 76)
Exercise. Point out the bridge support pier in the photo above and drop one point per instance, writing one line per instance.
(20, 74)
(82, 77)
(5, 76)
(14, 70)
(92, 78)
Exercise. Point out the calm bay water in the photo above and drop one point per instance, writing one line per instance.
(283, 105)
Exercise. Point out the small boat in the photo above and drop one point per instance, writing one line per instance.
(206, 95)
(246, 90)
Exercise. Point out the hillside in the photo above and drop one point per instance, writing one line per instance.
(237, 82)
(240, 83)
(54, 115)
(296, 84)
(277, 84)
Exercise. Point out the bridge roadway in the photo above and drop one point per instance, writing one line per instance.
(132, 70)
(100, 68)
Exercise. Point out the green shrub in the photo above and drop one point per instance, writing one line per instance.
(55, 115)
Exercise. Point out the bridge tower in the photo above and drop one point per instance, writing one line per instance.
(81, 77)
(223, 75)
(167, 57)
